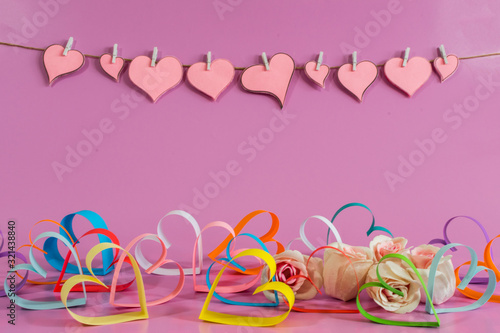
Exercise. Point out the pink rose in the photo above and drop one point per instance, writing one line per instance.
(340, 276)
(444, 283)
(290, 263)
(396, 274)
(382, 245)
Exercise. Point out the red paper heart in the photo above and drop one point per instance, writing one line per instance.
(274, 82)
(56, 64)
(409, 78)
(157, 80)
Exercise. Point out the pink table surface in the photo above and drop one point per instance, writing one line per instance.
(329, 149)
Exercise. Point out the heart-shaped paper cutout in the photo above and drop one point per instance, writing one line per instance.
(229, 319)
(112, 319)
(10, 263)
(317, 76)
(304, 238)
(162, 260)
(358, 81)
(113, 70)
(157, 80)
(35, 267)
(56, 64)
(473, 270)
(446, 241)
(55, 259)
(409, 78)
(144, 263)
(372, 226)
(211, 82)
(446, 70)
(268, 237)
(274, 82)
(384, 285)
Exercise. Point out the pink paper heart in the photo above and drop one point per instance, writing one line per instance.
(274, 81)
(317, 76)
(409, 78)
(358, 81)
(446, 70)
(111, 69)
(56, 64)
(157, 80)
(211, 82)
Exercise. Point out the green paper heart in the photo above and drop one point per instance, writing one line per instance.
(383, 284)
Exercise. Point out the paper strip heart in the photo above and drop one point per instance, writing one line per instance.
(317, 76)
(358, 81)
(304, 238)
(274, 82)
(409, 78)
(57, 65)
(383, 284)
(473, 270)
(10, 262)
(268, 237)
(113, 70)
(111, 319)
(211, 82)
(157, 80)
(372, 226)
(229, 319)
(446, 70)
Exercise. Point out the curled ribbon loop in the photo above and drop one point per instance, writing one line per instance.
(55, 259)
(144, 263)
(383, 284)
(473, 270)
(230, 319)
(36, 268)
(304, 238)
(268, 237)
(372, 228)
(446, 241)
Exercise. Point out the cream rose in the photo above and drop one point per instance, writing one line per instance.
(339, 275)
(290, 263)
(395, 274)
(444, 283)
(382, 245)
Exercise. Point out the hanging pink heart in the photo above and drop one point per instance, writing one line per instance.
(274, 82)
(157, 80)
(409, 78)
(317, 76)
(111, 69)
(56, 64)
(211, 82)
(446, 70)
(358, 81)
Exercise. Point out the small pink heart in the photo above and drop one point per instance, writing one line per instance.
(274, 81)
(317, 76)
(446, 70)
(358, 81)
(157, 80)
(211, 82)
(409, 78)
(56, 64)
(111, 69)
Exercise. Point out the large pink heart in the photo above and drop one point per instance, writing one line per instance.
(211, 82)
(56, 64)
(317, 76)
(157, 80)
(359, 80)
(409, 78)
(109, 68)
(446, 70)
(274, 81)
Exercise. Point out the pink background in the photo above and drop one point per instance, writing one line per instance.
(332, 151)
